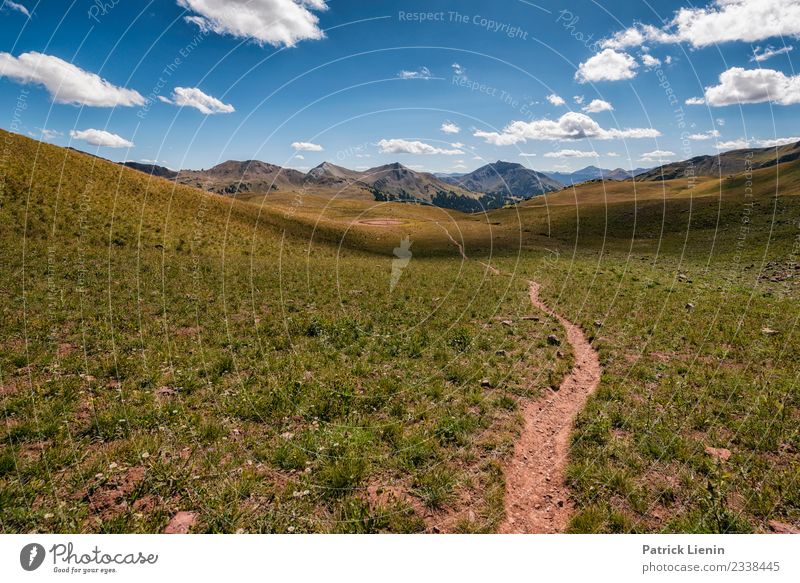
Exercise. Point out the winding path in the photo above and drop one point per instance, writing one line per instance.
(537, 497)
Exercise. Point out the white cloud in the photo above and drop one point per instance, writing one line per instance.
(307, 147)
(656, 155)
(459, 70)
(570, 126)
(299, 157)
(720, 121)
(555, 99)
(527, 155)
(572, 154)
(607, 65)
(612, 155)
(771, 143)
(650, 61)
(704, 135)
(721, 21)
(48, 135)
(14, 6)
(578, 99)
(597, 105)
(421, 73)
(457, 145)
(65, 82)
(761, 54)
(101, 138)
(696, 101)
(398, 146)
(460, 166)
(193, 97)
(733, 144)
(450, 128)
(742, 143)
(275, 22)
(738, 85)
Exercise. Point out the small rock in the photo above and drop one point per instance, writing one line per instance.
(690, 306)
(531, 318)
(500, 353)
(181, 523)
(553, 340)
(559, 354)
(598, 324)
(768, 331)
(782, 527)
(507, 323)
(486, 383)
(720, 453)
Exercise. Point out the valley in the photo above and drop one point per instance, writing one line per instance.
(246, 359)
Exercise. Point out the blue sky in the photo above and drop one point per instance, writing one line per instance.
(191, 83)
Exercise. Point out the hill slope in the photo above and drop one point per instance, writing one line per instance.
(726, 163)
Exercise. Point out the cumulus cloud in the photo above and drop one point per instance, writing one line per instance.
(742, 143)
(65, 82)
(570, 126)
(598, 105)
(527, 155)
(48, 135)
(607, 65)
(306, 147)
(696, 101)
(733, 144)
(738, 85)
(14, 6)
(101, 138)
(572, 154)
(650, 61)
(458, 70)
(719, 22)
(579, 99)
(449, 127)
(274, 22)
(656, 155)
(193, 97)
(399, 146)
(704, 135)
(555, 99)
(421, 73)
(761, 54)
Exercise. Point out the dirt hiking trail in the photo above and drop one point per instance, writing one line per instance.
(537, 497)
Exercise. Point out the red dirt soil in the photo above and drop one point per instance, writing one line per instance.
(537, 497)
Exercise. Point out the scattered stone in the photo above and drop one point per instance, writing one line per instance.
(500, 353)
(507, 323)
(559, 354)
(768, 331)
(531, 318)
(690, 306)
(598, 324)
(181, 523)
(486, 383)
(720, 453)
(553, 340)
(782, 527)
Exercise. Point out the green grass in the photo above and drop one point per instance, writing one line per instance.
(168, 350)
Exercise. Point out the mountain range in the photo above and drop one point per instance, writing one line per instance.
(725, 163)
(595, 173)
(491, 186)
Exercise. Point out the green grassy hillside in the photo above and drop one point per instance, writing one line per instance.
(165, 349)
(247, 360)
